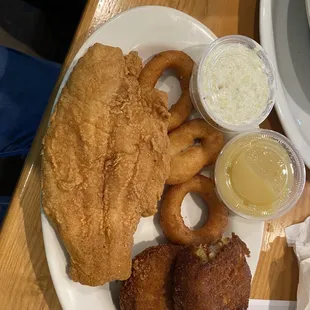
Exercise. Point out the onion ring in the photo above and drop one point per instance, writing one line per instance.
(183, 65)
(171, 220)
(188, 159)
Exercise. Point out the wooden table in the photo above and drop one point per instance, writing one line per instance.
(24, 275)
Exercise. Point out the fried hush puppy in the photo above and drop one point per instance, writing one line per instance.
(212, 277)
(150, 284)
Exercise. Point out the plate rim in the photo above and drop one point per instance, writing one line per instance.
(285, 116)
(157, 7)
(147, 7)
(308, 10)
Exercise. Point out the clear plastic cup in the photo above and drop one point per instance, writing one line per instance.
(287, 195)
(199, 94)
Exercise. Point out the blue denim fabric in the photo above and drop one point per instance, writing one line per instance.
(25, 87)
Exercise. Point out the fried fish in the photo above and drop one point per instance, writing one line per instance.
(104, 164)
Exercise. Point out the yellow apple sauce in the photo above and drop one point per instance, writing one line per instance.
(254, 175)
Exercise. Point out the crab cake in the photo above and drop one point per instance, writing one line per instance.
(150, 284)
(213, 277)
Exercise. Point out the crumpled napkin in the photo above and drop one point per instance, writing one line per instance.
(298, 237)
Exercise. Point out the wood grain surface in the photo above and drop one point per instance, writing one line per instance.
(24, 276)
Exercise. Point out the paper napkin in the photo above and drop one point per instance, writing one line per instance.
(298, 237)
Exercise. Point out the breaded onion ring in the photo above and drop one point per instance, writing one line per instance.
(171, 220)
(183, 65)
(188, 159)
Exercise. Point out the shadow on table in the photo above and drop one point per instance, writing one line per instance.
(248, 18)
(272, 122)
(29, 198)
(283, 273)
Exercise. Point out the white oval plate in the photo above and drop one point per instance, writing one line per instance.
(148, 30)
(308, 10)
(284, 33)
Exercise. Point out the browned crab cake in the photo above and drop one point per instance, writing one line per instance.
(213, 277)
(150, 284)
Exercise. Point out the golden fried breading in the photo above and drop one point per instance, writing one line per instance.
(171, 220)
(105, 161)
(212, 278)
(188, 157)
(150, 284)
(183, 65)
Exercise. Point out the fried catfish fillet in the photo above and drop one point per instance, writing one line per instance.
(104, 164)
